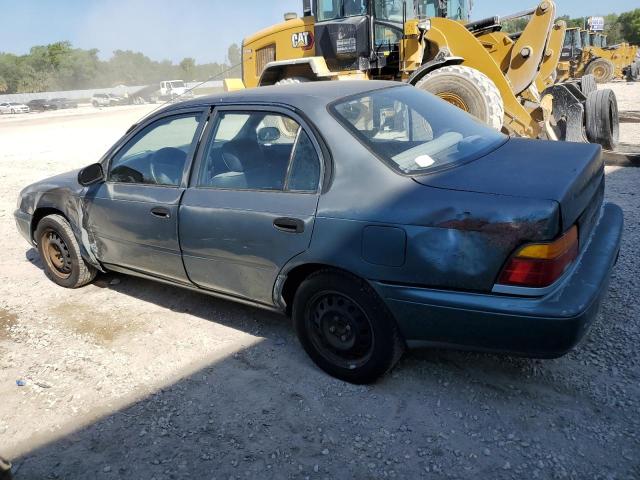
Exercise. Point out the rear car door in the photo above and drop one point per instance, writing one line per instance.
(252, 201)
(133, 215)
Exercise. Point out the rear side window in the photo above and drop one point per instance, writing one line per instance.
(259, 151)
(413, 131)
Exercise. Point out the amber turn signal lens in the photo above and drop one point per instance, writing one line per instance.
(539, 265)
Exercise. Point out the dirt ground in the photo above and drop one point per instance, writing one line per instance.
(130, 379)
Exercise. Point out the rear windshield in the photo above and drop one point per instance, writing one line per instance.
(413, 131)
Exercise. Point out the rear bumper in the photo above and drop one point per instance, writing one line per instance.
(545, 327)
(23, 222)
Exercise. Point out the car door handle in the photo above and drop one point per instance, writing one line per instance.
(289, 225)
(161, 212)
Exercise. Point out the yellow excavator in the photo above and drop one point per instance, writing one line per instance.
(432, 45)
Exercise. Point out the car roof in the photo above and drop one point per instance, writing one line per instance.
(299, 95)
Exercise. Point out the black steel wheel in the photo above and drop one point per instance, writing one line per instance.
(60, 252)
(602, 119)
(339, 329)
(345, 328)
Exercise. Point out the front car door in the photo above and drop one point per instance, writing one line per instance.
(252, 200)
(133, 216)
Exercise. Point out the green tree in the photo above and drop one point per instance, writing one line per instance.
(630, 26)
(59, 66)
(234, 55)
(515, 26)
(612, 29)
(188, 66)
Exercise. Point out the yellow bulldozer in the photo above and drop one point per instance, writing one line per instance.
(504, 80)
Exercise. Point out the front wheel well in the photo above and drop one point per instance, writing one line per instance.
(40, 213)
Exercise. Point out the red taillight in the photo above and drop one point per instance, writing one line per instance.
(539, 265)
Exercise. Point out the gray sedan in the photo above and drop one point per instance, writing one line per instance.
(375, 215)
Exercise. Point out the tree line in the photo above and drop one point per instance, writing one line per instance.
(618, 28)
(59, 66)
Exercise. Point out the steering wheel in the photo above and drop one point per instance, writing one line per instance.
(167, 166)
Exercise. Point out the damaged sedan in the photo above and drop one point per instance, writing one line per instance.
(375, 215)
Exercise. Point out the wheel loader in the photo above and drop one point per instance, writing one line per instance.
(593, 56)
(432, 45)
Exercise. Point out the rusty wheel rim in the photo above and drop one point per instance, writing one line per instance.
(599, 73)
(455, 100)
(56, 254)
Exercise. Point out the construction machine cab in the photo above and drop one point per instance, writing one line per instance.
(365, 34)
(572, 47)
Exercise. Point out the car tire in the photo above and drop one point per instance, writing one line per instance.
(468, 89)
(13, 111)
(588, 84)
(94, 103)
(601, 118)
(602, 69)
(60, 253)
(345, 327)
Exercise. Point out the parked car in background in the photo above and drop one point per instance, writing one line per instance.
(41, 105)
(63, 103)
(106, 100)
(375, 214)
(13, 107)
(168, 90)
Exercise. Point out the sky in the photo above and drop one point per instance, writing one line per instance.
(202, 29)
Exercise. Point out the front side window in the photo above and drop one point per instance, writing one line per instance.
(157, 155)
(259, 151)
(413, 131)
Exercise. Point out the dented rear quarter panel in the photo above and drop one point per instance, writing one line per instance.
(454, 238)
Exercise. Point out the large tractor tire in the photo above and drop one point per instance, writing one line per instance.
(292, 80)
(602, 69)
(588, 84)
(602, 121)
(468, 89)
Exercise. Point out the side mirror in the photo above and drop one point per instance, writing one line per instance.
(91, 175)
(268, 134)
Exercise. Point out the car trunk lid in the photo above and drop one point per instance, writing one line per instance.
(571, 174)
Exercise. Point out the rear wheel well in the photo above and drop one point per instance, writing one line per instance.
(40, 213)
(299, 274)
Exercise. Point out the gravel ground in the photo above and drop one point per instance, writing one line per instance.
(127, 378)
